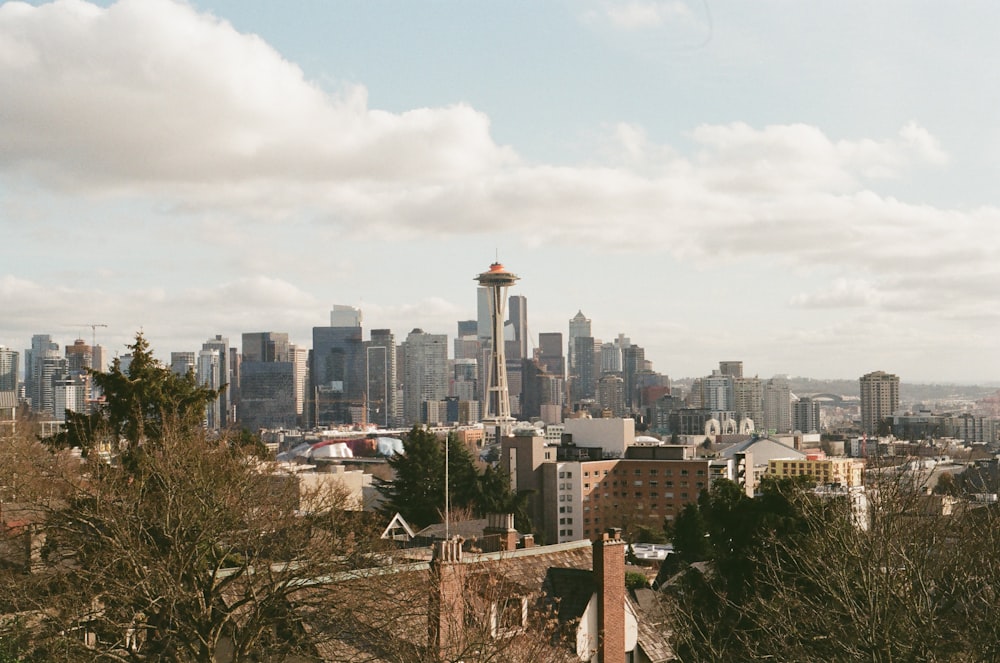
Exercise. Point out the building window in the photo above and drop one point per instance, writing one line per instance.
(653, 483)
(637, 471)
(684, 473)
(637, 482)
(562, 509)
(653, 472)
(562, 475)
(654, 495)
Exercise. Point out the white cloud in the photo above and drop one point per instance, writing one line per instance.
(148, 100)
(843, 293)
(149, 93)
(640, 14)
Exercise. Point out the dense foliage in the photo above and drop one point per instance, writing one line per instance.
(139, 403)
(788, 576)
(417, 490)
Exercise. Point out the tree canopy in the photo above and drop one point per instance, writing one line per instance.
(138, 404)
(417, 490)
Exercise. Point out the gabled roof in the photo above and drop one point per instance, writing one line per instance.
(764, 449)
(570, 590)
(653, 625)
(397, 523)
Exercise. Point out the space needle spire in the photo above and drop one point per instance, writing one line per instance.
(497, 280)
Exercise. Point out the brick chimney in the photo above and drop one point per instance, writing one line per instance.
(609, 574)
(446, 616)
(502, 526)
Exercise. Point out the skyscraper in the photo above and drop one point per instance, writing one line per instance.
(516, 346)
(380, 386)
(265, 346)
(584, 384)
(550, 353)
(220, 346)
(337, 373)
(497, 281)
(8, 369)
(777, 405)
(805, 415)
(267, 382)
(749, 400)
(731, 368)
(579, 326)
(209, 372)
(425, 375)
(879, 398)
(37, 386)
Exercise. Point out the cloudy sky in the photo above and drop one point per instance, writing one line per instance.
(808, 187)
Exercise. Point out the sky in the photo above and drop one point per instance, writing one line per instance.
(807, 187)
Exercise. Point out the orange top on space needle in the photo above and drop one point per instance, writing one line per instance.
(497, 276)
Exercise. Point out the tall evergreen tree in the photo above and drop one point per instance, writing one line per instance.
(137, 403)
(417, 491)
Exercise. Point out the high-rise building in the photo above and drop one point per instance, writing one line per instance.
(516, 328)
(717, 393)
(265, 346)
(879, 398)
(220, 346)
(467, 328)
(633, 365)
(209, 372)
(805, 415)
(465, 385)
(182, 362)
(8, 369)
(425, 373)
(731, 368)
(380, 387)
(484, 325)
(611, 358)
(79, 357)
(345, 316)
(749, 400)
(267, 382)
(99, 362)
(611, 394)
(38, 387)
(299, 357)
(584, 380)
(550, 353)
(777, 405)
(497, 281)
(579, 326)
(337, 373)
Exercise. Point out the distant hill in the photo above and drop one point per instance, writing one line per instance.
(908, 392)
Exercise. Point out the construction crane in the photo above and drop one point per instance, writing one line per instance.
(93, 328)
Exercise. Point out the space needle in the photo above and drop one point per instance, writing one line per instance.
(497, 416)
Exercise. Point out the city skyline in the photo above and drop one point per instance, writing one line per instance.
(807, 189)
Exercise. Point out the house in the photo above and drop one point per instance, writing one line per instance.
(565, 602)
